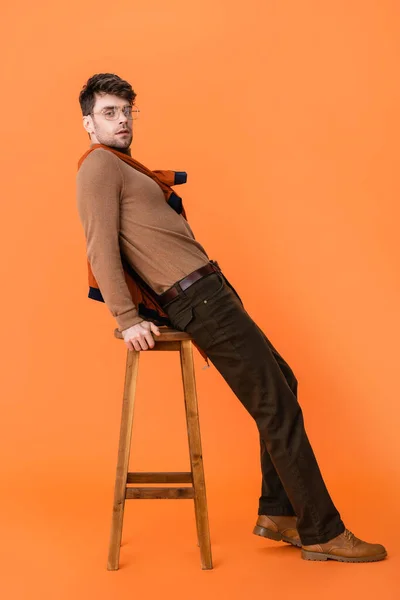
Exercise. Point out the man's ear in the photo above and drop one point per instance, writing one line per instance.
(85, 122)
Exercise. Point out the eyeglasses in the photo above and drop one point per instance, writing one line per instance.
(111, 113)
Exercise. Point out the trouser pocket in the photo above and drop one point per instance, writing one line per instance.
(182, 318)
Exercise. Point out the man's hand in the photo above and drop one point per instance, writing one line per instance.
(139, 336)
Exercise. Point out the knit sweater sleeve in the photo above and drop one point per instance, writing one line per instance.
(99, 185)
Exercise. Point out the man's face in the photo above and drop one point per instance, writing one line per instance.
(107, 132)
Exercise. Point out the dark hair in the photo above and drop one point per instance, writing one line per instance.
(104, 83)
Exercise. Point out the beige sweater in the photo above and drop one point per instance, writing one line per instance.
(123, 209)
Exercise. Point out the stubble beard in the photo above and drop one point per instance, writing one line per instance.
(116, 143)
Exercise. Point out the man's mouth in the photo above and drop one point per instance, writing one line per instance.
(122, 131)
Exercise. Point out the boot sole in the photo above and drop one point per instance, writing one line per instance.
(275, 535)
(307, 555)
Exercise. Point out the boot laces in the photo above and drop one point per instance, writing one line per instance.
(349, 535)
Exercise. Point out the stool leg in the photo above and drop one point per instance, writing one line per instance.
(196, 459)
(196, 519)
(131, 370)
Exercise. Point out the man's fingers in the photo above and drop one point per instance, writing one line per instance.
(142, 336)
(143, 343)
(154, 328)
(136, 344)
(149, 339)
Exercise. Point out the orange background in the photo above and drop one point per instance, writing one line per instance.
(286, 117)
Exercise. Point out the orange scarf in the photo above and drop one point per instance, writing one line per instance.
(143, 296)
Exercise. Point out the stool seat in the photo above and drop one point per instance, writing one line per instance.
(167, 334)
(169, 339)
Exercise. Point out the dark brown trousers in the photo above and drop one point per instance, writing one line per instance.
(292, 484)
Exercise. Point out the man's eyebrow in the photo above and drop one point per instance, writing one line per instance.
(113, 106)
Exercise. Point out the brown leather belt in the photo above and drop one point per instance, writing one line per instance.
(187, 281)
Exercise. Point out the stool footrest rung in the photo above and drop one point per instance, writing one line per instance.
(154, 493)
(159, 477)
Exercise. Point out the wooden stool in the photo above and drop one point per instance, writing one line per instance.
(169, 339)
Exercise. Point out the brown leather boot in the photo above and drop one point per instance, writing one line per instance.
(278, 527)
(345, 547)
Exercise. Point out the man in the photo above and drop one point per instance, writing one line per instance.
(122, 209)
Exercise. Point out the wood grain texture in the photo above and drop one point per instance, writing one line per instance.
(169, 340)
